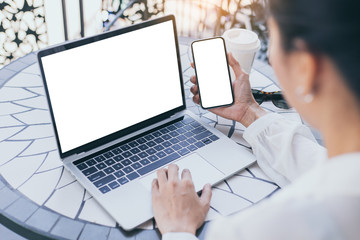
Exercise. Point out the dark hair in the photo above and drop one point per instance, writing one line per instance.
(328, 27)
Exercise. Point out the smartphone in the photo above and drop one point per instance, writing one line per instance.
(212, 73)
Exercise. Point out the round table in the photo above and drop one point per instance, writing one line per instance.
(39, 199)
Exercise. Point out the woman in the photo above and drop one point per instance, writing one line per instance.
(315, 50)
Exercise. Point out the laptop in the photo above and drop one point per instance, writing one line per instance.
(118, 109)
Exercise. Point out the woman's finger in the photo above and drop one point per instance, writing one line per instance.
(235, 66)
(192, 64)
(186, 174)
(196, 99)
(162, 177)
(206, 195)
(173, 172)
(194, 89)
(193, 79)
(155, 186)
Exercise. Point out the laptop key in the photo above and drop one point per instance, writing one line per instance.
(171, 128)
(110, 162)
(151, 143)
(96, 176)
(117, 166)
(104, 181)
(133, 144)
(109, 170)
(153, 158)
(114, 185)
(198, 130)
(119, 174)
(136, 166)
(206, 141)
(126, 154)
(157, 164)
(167, 144)
(164, 131)
(189, 134)
(214, 137)
(141, 140)
(203, 135)
(118, 158)
(191, 140)
(157, 134)
(108, 154)
(123, 180)
(135, 150)
(100, 158)
(143, 147)
(143, 155)
(128, 169)
(89, 171)
(81, 166)
(176, 147)
(199, 144)
(126, 162)
(192, 148)
(132, 176)
(149, 137)
(188, 127)
(174, 134)
(134, 158)
(161, 154)
(174, 140)
(101, 166)
(144, 162)
(125, 147)
(184, 144)
(159, 140)
(150, 151)
(90, 162)
(184, 151)
(181, 138)
(169, 150)
(116, 151)
(104, 189)
(158, 147)
(181, 130)
(178, 124)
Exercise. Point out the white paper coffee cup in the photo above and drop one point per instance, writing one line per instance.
(243, 44)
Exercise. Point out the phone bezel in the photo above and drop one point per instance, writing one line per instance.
(227, 64)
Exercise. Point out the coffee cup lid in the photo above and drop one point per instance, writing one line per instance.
(242, 39)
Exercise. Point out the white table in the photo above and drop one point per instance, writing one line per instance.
(40, 199)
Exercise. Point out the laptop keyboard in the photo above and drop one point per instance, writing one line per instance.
(128, 161)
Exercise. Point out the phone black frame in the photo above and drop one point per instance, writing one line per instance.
(227, 64)
(121, 133)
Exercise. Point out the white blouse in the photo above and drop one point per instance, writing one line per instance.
(322, 201)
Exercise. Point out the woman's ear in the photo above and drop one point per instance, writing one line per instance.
(305, 69)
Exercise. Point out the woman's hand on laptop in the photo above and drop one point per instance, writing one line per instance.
(176, 205)
(245, 109)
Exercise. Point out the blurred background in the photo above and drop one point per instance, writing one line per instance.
(29, 25)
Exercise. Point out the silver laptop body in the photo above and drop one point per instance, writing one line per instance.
(118, 108)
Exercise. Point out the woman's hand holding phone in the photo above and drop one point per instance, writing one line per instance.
(245, 109)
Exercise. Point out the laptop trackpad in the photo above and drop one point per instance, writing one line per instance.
(201, 171)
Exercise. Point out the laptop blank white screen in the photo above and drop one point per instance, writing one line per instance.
(105, 86)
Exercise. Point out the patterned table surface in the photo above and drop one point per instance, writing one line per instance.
(39, 199)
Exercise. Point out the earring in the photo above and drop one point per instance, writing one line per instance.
(308, 98)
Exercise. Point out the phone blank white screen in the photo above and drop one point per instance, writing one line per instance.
(103, 87)
(212, 73)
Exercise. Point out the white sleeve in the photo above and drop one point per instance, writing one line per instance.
(289, 219)
(284, 149)
(178, 236)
